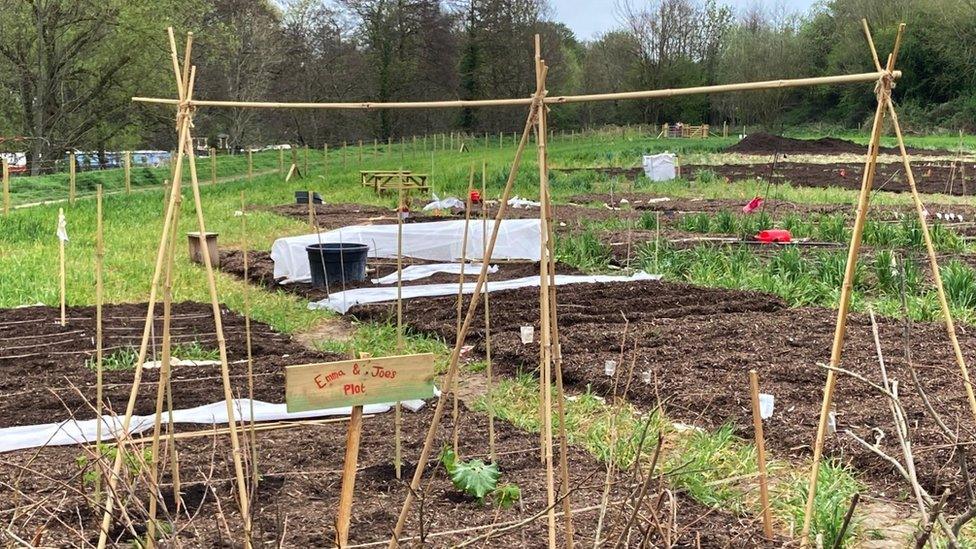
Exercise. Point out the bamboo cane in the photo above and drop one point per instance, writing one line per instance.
(398, 409)
(933, 261)
(222, 347)
(760, 454)
(99, 362)
(61, 272)
(844, 305)
(489, 397)
(184, 128)
(456, 352)
(247, 339)
(545, 339)
(455, 411)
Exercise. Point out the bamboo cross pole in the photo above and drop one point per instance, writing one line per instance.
(760, 454)
(99, 362)
(846, 289)
(127, 159)
(61, 268)
(72, 172)
(545, 337)
(452, 368)
(6, 186)
(247, 341)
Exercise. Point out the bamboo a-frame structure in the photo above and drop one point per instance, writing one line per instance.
(550, 353)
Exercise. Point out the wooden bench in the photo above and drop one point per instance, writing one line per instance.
(383, 181)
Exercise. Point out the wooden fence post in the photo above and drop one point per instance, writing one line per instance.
(213, 165)
(6, 187)
(71, 178)
(281, 162)
(250, 166)
(127, 164)
(305, 162)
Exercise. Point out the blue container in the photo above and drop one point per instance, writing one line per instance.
(337, 263)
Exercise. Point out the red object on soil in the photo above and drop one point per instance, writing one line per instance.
(475, 197)
(774, 235)
(752, 205)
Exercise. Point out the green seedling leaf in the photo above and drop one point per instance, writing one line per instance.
(505, 495)
(448, 459)
(475, 478)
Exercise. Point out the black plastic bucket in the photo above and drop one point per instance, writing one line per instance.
(344, 262)
(301, 197)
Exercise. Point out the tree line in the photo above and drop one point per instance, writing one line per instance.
(68, 68)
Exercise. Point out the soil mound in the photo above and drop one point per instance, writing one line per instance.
(766, 143)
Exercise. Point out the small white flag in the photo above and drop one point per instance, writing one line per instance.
(62, 227)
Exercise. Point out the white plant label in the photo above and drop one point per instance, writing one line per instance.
(609, 367)
(528, 334)
(647, 377)
(766, 403)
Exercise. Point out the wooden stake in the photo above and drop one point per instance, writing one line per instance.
(213, 166)
(99, 298)
(6, 186)
(250, 166)
(61, 269)
(311, 210)
(452, 368)
(844, 306)
(305, 162)
(127, 165)
(349, 471)
(71, 178)
(281, 162)
(757, 424)
(360, 152)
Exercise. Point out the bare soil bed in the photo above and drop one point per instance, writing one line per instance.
(765, 143)
(698, 345)
(298, 496)
(44, 376)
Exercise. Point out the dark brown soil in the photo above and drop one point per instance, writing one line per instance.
(300, 478)
(698, 345)
(930, 177)
(43, 366)
(764, 143)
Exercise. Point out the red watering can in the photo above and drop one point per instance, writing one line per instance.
(774, 235)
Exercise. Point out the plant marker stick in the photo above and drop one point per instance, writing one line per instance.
(760, 454)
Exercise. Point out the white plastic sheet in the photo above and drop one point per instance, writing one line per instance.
(518, 239)
(416, 272)
(659, 167)
(77, 432)
(341, 302)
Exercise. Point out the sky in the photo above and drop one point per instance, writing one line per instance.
(590, 18)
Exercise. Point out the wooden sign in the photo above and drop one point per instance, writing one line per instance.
(359, 382)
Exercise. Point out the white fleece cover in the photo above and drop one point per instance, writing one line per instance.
(416, 272)
(78, 432)
(341, 302)
(518, 239)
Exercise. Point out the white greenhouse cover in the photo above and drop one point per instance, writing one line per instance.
(659, 167)
(78, 432)
(341, 302)
(518, 239)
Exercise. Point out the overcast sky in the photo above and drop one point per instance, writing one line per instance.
(590, 18)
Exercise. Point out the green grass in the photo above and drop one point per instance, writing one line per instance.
(835, 488)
